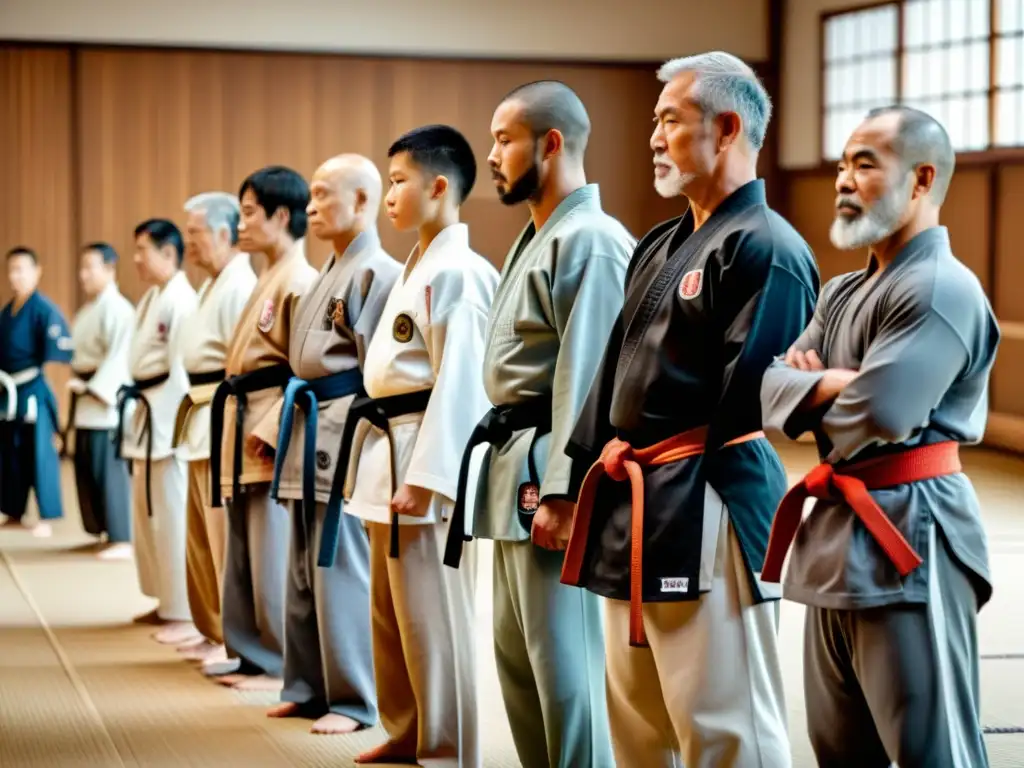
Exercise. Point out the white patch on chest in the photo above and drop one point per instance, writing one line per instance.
(675, 585)
(266, 321)
(691, 284)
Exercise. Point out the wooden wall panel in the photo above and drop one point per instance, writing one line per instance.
(37, 172)
(1009, 265)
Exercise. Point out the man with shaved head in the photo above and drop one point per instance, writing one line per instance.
(211, 244)
(560, 292)
(328, 666)
(677, 484)
(891, 376)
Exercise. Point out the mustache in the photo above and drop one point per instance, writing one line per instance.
(849, 202)
(497, 176)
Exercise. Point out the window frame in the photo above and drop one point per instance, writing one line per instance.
(992, 154)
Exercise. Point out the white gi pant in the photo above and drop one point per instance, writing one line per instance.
(707, 693)
(159, 541)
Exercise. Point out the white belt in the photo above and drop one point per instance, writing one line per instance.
(11, 387)
(25, 375)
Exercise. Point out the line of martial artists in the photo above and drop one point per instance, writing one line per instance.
(618, 391)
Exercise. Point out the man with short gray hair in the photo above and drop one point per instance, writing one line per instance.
(211, 237)
(676, 483)
(891, 376)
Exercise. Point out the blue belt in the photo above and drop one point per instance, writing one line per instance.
(308, 395)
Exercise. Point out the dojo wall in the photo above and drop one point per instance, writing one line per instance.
(984, 210)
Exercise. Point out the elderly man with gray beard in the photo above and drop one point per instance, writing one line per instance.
(681, 485)
(211, 243)
(890, 376)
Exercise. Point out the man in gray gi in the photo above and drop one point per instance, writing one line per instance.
(561, 290)
(890, 377)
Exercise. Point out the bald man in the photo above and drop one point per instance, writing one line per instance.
(560, 293)
(328, 665)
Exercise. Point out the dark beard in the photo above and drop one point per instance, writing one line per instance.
(526, 187)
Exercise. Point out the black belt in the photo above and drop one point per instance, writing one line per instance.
(211, 377)
(495, 428)
(378, 412)
(239, 386)
(72, 408)
(127, 393)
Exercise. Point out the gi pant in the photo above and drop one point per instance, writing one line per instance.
(707, 693)
(159, 541)
(204, 553)
(103, 485)
(328, 659)
(423, 645)
(549, 647)
(255, 574)
(23, 464)
(898, 683)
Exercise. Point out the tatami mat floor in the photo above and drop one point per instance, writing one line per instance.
(81, 686)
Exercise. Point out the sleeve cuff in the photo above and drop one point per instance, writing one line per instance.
(438, 485)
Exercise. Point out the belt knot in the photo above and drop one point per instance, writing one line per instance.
(818, 481)
(614, 457)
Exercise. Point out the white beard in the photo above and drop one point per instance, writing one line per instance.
(672, 185)
(875, 224)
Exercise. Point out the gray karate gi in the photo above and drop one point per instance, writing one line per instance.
(560, 292)
(328, 663)
(891, 663)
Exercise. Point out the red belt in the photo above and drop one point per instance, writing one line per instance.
(852, 484)
(620, 461)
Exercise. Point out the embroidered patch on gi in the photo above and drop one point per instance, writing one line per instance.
(323, 460)
(161, 331)
(266, 317)
(402, 328)
(54, 331)
(529, 497)
(690, 285)
(64, 344)
(675, 585)
(335, 315)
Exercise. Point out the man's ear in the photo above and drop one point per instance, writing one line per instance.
(554, 142)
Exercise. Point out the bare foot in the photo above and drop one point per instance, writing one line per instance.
(230, 681)
(176, 633)
(285, 709)
(121, 550)
(218, 663)
(200, 651)
(42, 530)
(332, 723)
(259, 683)
(388, 752)
(12, 522)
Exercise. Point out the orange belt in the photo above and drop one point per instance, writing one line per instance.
(852, 484)
(620, 461)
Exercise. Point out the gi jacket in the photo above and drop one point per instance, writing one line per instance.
(705, 314)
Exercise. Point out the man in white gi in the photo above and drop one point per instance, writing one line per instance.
(159, 381)
(244, 423)
(560, 292)
(891, 376)
(101, 336)
(424, 381)
(211, 238)
(328, 665)
(680, 483)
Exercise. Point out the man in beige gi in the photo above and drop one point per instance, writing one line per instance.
(211, 237)
(273, 202)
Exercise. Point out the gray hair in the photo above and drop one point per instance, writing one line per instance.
(221, 209)
(726, 84)
(921, 139)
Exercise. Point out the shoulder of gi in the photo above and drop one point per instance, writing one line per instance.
(464, 277)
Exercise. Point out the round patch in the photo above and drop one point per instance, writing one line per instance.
(529, 497)
(323, 460)
(402, 328)
(266, 321)
(54, 331)
(690, 285)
